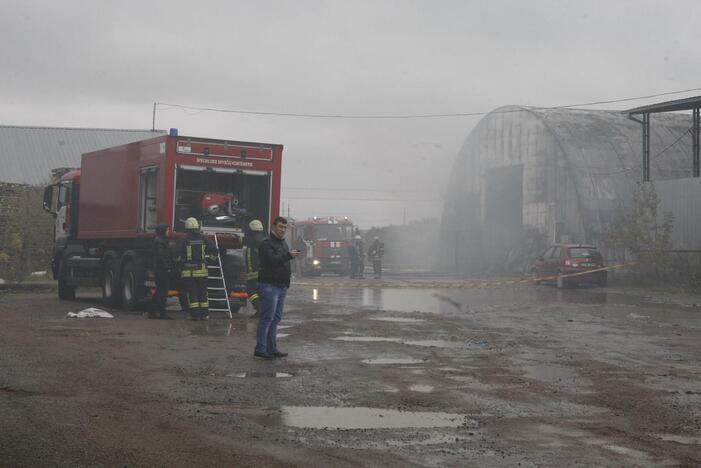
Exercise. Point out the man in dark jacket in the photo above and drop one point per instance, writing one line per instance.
(252, 240)
(191, 253)
(273, 281)
(163, 266)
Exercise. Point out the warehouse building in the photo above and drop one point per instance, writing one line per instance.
(28, 157)
(29, 154)
(527, 177)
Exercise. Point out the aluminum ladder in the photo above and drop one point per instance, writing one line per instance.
(216, 284)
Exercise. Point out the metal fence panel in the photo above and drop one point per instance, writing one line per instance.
(682, 198)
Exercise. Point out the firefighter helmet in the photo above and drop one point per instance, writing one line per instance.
(191, 224)
(256, 225)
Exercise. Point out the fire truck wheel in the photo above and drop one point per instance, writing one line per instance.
(65, 292)
(131, 290)
(110, 284)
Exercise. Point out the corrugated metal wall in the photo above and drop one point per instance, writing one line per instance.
(682, 198)
(28, 154)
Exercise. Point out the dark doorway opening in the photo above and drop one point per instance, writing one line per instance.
(503, 214)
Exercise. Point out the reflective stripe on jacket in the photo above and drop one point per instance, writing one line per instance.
(192, 250)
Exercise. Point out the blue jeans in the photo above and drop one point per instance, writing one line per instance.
(272, 302)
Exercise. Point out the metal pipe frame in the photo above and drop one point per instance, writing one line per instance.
(695, 141)
(646, 147)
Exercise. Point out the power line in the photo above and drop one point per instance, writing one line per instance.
(337, 189)
(628, 99)
(364, 199)
(398, 116)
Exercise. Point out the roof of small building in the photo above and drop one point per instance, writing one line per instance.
(668, 106)
(29, 154)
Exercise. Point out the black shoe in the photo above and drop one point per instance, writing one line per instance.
(263, 355)
(279, 354)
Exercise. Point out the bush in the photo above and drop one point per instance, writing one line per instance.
(646, 233)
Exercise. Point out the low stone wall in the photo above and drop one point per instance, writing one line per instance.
(26, 231)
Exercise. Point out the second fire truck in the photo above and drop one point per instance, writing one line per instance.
(324, 245)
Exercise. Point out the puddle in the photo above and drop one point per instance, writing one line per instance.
(550, 374)
(680, 439)
(628, 452)
(449, 344)
(282, 327)
(211, 329)
(397, 319)
(434, 439)
(421, 388)
(393, 361)
(322, 417)
(461, 301)
(633, 457)
(467, 381)
(441, 301)
(289, 321)
(73, 332)
(458, 305)
(259, 375)
(367, 338)
(425, 343)
(282, 335)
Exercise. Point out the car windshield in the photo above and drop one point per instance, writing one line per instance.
(584, 252)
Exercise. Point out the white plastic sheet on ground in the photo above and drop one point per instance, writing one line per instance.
(90, 312)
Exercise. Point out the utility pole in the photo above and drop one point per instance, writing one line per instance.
(153, 120)
(457, 251)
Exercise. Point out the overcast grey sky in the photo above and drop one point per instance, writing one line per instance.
(98, 63)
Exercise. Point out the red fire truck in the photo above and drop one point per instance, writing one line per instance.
(106, 211)
(323, 243)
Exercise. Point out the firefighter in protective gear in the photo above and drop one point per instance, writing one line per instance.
(163, 266)
(251, 242)
(375, 253)
(355, 252)
(191, 253)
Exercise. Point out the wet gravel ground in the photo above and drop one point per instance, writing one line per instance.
(395, 375)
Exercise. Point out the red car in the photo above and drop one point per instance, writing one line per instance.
(562, 260)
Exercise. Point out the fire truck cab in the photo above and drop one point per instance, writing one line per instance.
(324, 245)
